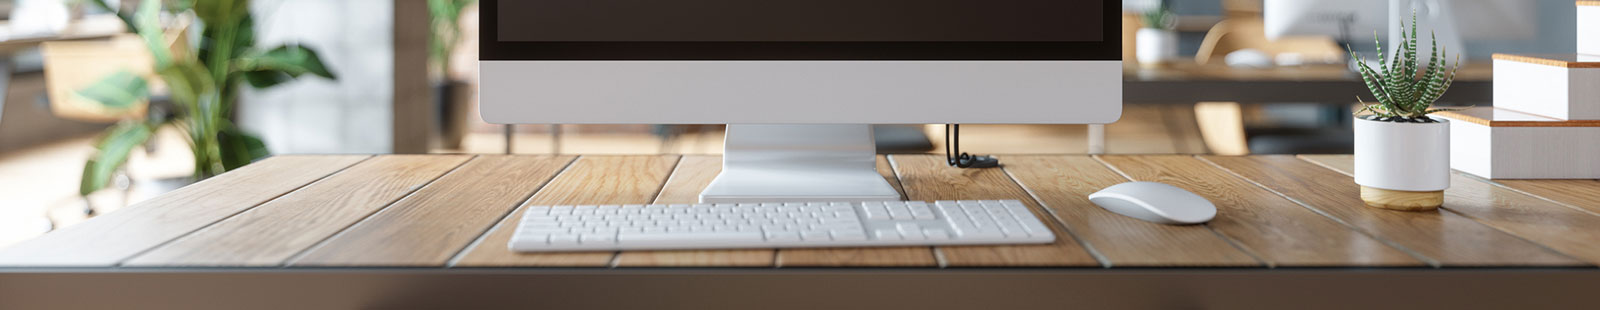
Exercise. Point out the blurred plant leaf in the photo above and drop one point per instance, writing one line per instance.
(239, 147)
(119, 90)
(126, 20)
(219, 12)
(281, 64)
(111, 152)
(186, 82)
(147, 20)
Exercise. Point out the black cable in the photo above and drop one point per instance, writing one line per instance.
(952, 146)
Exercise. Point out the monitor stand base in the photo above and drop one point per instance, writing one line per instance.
(798, 163)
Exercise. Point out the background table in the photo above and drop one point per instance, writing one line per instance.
(1187, 82)
(375, 220)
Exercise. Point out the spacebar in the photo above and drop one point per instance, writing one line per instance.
(689, 239)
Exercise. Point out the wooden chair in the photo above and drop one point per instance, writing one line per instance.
(1221, 123)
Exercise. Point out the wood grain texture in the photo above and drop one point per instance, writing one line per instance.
(113, 237)
(1063, 184)
(1570, 61)
(928, 177)
(590, 180)
(867, 256)
(1402, 200)
(431, 225)
(1582, 194)
(1567, 230)
(688, 179)
(273, 232)
(1275, 229)
(1442, 238)
(1499, 117)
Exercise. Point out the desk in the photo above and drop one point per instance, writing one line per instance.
(1290, 229)
(1189, 83)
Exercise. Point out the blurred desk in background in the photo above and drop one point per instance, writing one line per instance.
(1219, 90)
(91, 27)
(1187, 82)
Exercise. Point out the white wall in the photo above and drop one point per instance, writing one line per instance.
(314, 115)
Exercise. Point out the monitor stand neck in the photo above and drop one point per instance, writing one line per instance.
(798, 163)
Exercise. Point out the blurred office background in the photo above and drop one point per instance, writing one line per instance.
(1213, 83)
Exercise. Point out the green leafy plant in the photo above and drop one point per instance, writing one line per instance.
(1405, 92)
(445, 18)
(1160, 17)
(202, 82)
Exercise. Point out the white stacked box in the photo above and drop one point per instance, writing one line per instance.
(1589, 27)
(1503, 144)
(1558, 86)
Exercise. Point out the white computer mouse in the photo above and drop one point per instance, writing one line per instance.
(1155, 202)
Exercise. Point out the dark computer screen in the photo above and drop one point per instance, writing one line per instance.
(800, 29)
(800, 20)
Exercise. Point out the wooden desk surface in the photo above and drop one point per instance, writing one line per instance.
(457, 210)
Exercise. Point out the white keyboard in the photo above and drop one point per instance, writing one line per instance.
(776, 225)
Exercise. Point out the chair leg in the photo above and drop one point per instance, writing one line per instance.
(1222, 127)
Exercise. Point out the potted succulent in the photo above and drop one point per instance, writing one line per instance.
(1402, 156)
(202, 82)
(1157, 41)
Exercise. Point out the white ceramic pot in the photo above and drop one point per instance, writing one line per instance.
(1156, 46)
(1402, 159)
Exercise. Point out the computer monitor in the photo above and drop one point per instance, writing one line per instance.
(799, 81)
(1356, 20)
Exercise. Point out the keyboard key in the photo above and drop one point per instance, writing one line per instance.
(598, 239)
(886, 234)
(563, 239)
(685, 239)
(848, 235)
(908, 229)
(782, 236)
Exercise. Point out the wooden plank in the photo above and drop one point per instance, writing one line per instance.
(1275, 229)
(430, 226)
(1444, 238)
(928, 177)
(1569, 231)
(110, 238)
(273, 232)
(862, 257)
(590, 180)
(688, 179)
(1583, 194)
(1063, 184)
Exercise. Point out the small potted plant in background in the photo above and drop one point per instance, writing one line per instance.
(1402, 156)
(202, 82)
(450, 95)
(1157, 42)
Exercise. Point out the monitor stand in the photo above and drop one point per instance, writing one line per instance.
(798, 163)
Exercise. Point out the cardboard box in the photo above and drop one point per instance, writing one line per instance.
(1558, 86)
(1505, 144)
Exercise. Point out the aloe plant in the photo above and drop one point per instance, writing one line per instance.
(203, 86)
(1405, 92)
